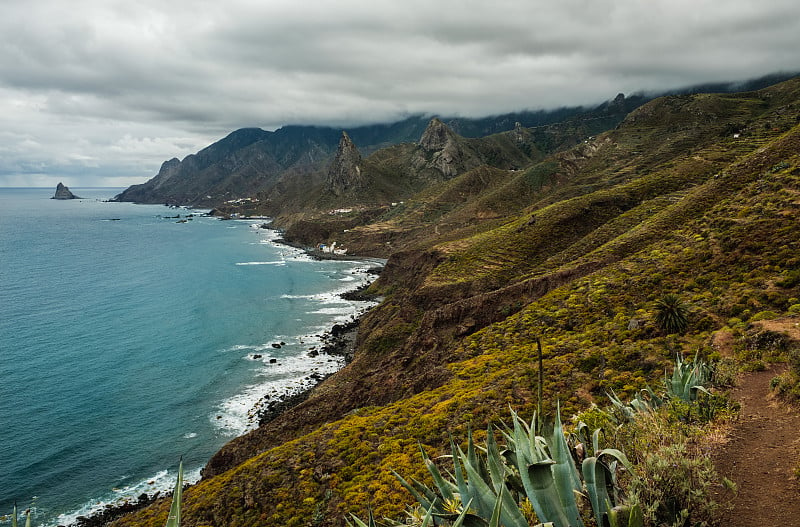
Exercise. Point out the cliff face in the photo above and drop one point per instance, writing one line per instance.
(63, 192)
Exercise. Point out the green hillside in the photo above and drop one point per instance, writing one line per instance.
(692, 195)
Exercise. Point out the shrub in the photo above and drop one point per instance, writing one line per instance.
(763, 315)
(671, 314)
(791, 279)
(675, 487)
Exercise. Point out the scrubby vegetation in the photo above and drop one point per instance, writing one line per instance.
(583, 261)
(563, 480)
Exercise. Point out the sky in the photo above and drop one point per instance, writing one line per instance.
(101, 92)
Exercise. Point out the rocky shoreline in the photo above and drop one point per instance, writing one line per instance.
(338, 341)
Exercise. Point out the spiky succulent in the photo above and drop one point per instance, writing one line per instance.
(672, 314)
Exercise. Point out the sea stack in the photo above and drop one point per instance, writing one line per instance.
(62, 192)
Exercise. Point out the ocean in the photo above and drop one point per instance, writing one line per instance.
(130, 338)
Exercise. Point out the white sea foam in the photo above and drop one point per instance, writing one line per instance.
(239, 347)
(162, 481)
(335, 311)
(288, 376)
(279, 262)
(297, 297)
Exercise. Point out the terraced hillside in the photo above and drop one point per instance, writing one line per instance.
(693, 195)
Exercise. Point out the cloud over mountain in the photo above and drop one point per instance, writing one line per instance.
(96, 89)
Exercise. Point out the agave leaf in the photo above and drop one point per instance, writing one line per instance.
(445, 487)
(14, 517)
(543, 494)
(618, 455)
(417, 490)
(565, 474)
(523, 455)
(582, 433)
(596, 441)
(478, 489)
(475, 460)
(494, 521)
(497, 469)
(27, 518)
(428, 519)
(174, 518)
(360, 523)
(458, 474)
(466, 519)
(485, 499)
(594, 476)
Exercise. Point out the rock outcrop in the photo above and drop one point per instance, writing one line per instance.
(345, 171)
(63, 192)
(445, 151)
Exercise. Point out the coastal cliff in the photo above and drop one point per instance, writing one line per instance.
(693, 195)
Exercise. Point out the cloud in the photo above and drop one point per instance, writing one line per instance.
(100, 89)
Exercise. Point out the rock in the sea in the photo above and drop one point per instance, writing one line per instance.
(62, 192)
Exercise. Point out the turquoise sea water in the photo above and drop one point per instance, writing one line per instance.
(128, 340)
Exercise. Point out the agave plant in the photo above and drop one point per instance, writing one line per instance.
(671, 314)
(688, 379)
(489, 484)
(645, 401)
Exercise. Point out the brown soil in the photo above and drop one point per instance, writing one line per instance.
(761, 456)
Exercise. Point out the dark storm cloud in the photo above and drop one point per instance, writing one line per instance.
(109, 88)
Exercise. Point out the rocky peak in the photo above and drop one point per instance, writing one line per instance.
(344, 172)
(63, 192)
(436, 136)
(444, 151)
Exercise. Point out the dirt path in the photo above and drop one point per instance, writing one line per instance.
(761, 457)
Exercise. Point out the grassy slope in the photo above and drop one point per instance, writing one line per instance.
(668, 202)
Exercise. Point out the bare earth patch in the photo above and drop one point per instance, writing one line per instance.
(788, 325)
(761, 455)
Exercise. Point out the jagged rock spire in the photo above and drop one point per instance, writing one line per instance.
(436, 136)
(345, 170)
